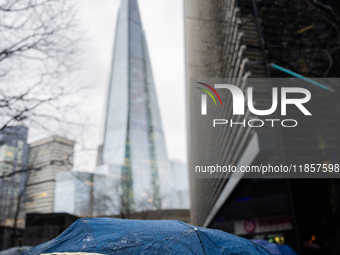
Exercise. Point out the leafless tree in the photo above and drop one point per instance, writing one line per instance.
(106, 199)
(38, 57)
(39, 42)
(115, 198)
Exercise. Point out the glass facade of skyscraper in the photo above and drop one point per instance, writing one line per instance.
(134, 152)
(13, 166)
(73, 193)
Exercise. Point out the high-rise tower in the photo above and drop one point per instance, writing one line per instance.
(133, 161)
(13, 165)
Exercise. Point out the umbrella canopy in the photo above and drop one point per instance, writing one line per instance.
(117, 236)
(274, 248)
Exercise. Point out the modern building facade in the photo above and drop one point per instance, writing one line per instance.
(180, 171)
(133, 154)
(73, 190)
(47, 158)
(13, 163)
(239, 40)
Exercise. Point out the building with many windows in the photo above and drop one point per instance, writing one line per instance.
(73, 192)
(180, 171)
(243, 39)
(13, 166)
(47, 158)
(133, 155)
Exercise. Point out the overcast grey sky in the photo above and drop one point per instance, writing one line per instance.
(163, 24)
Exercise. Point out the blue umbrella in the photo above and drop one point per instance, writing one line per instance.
(117, 236)
(274, 248)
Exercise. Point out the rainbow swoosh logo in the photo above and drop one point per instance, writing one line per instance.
(208, 92)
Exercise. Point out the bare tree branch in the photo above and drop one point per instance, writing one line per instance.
(37, 54)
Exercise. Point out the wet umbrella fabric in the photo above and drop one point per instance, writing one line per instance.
(117, 236)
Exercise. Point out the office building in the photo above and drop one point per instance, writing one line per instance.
(180, 171)
(239, 40)
(47, 158)
(134, 153)
(73, 192)
(13, 163)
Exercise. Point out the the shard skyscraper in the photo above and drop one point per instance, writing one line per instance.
(134, 168)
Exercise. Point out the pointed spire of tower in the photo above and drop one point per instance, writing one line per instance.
(134, 148)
